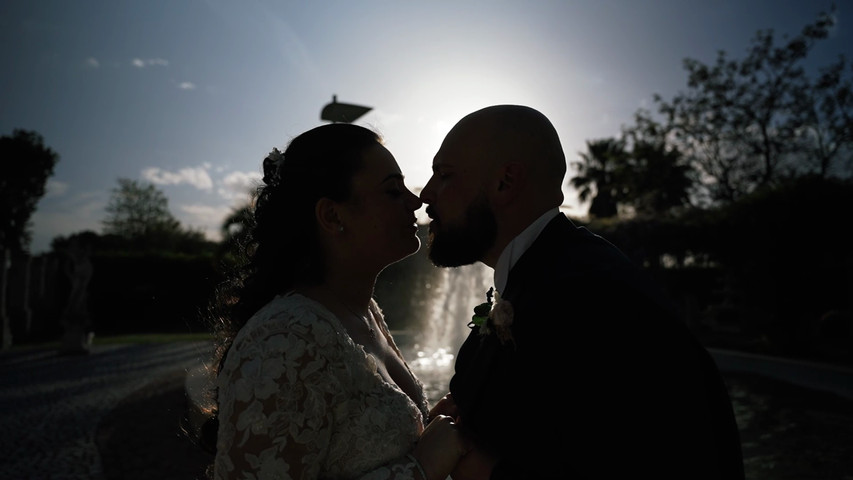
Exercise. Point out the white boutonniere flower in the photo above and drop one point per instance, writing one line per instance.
(494, 315)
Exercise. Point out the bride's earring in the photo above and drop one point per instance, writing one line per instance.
(341, 228)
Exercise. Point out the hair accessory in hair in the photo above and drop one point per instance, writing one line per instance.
(272, 167)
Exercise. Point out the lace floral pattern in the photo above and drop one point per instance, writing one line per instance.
(299, 399)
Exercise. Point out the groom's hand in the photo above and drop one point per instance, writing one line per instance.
(440, 447)
(445, 406)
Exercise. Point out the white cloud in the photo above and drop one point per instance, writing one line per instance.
(238, 185)
(206, 218)
(140, 63)
(55, 188)
(92, 62)
(186, 86)
(195, 176)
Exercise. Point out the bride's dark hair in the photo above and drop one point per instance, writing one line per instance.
(280, 246)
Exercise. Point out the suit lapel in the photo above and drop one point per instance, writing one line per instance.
(528, 264)
(474, 362)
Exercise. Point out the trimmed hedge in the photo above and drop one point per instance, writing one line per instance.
(137, 294)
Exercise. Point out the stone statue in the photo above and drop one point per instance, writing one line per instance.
(75, 319)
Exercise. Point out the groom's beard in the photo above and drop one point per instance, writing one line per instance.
(466, 242)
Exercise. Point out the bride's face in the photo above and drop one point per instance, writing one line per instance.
(381, 213)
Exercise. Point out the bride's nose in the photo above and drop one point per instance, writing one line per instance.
(413, 201)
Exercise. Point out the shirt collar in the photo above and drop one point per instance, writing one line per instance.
(516, 248)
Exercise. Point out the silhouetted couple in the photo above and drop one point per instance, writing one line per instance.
(576, 366)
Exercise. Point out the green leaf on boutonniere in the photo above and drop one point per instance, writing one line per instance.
(481, 313)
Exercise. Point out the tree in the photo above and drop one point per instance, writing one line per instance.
(597, 176)
(138, 217)
(657, 177)
(26, 165)
(138, 210)
(638, 173)
(235, 227)
(235, 233)
(743, 123)
(825, 113)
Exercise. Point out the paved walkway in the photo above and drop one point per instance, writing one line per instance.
(51, 405)
(823, 377)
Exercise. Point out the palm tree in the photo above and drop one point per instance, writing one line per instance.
(235, 228)
(659, 177)
(597, 176)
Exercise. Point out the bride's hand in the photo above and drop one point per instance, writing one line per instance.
(445, 406)
(440, 447)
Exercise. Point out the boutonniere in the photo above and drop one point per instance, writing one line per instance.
(494, 315)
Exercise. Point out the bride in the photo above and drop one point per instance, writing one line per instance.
(310, 382)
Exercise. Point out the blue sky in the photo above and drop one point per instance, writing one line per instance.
(192, 94)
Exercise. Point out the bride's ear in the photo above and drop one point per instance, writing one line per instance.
(328, 216)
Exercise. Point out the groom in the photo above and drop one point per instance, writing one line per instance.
(583, 369)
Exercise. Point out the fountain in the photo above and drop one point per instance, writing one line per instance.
(441, 302)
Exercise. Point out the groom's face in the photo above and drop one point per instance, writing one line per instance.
(463, 227)
(465, 239)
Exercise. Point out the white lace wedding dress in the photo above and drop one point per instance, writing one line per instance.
(299, 399)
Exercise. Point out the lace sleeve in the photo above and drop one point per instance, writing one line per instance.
(275, 410)
(291, 406)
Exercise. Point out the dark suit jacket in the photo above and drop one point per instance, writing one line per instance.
(604, 380)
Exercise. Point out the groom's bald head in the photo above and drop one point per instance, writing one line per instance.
(516, 133)
(500, 134)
